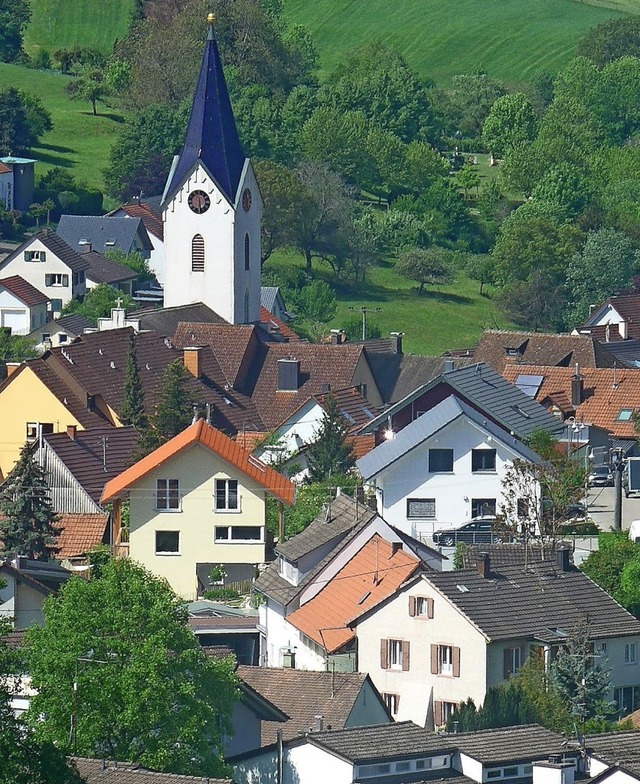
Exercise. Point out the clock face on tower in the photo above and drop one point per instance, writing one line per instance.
(246, 199)
(199, 202)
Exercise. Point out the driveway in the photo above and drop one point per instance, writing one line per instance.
(601, 501)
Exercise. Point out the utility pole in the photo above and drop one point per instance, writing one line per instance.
(618, 468)
(364, 310)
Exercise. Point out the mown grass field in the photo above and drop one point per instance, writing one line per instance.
(511, 39)
(443, 317)
(60, 24)
(79, 141)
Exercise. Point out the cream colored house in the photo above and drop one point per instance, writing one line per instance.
(196, 502)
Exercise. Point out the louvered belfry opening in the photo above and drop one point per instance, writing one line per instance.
(197, 253)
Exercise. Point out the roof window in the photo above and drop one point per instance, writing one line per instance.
(625, 415)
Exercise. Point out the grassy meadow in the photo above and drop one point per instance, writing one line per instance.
(511, 39)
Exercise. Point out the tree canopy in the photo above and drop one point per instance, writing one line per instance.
(14, 17)
(23, 121)
(144, 689)
(331, 453)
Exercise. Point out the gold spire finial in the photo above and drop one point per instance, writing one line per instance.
(211, 18)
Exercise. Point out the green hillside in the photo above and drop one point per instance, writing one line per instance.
(59, 24)
(511, 39)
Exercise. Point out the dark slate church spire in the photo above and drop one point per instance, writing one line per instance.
(212, 136)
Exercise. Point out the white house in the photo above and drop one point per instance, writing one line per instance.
(21, 596)
(443, 469)
(22, 307)
(49, 265)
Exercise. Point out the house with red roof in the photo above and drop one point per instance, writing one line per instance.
(22, 307)
(196, 502)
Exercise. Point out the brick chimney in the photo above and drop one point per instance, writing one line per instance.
(71, 432)
(396, 342)
(483, 565)
(563, 558)
(191, 360)
(338, 337)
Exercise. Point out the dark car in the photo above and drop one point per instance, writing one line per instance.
(600, 476)
(477, 531)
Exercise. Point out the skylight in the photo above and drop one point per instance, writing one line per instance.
(625, 415)
(529, 384)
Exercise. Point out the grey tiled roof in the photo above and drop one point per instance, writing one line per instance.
(74, 323)
(103, 232)
(340, 517)
(510, 744)
(511, 553)
(165, 320)
(59, 248)
(268, 296)
(617, 748)
(96, 771)
(541, 601)
(105, 270)
(384, 742)
(434, 420)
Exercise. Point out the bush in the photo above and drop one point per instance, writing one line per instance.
(222, 594)
(585, 528)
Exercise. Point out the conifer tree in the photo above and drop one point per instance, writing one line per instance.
(330, 454)
(29, 524)
(132, 410)
(173, 412)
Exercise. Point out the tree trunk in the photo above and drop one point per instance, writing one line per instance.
(93, 104)
(308, 258)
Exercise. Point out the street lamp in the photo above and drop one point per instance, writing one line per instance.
(364, 310)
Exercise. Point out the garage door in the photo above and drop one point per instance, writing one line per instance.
(16, 319)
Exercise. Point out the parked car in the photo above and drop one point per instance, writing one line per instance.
(600, 476)
(478, 530)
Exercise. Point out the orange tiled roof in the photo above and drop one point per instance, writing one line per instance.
(202, 433)
(273, 323)
(352, 591)
(606, 392)
(5, 169)
(79, 533)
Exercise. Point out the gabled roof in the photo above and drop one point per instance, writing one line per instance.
(275, 327)
(269, 296)
(427, 425)
(200, 433)
(147, 212)
(211, 136)
(165, 321)
(303, 694)
(103, 232)
(398, 375)
(617, 748)
(96, 455)
(14, 571)
(56, 245)
(499, 348)
(98, 771)
(104, 270)
(79, 533)
(511, 744)
(372, 575)
(512, 553)
(24, 291)
(626, 305)
(75, 324)
(606, 392)
(541, 602)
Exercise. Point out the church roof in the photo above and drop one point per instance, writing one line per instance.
(211, 136)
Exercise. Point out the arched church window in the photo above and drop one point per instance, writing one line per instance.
(247, 251)
(246, 306)
(197, 253)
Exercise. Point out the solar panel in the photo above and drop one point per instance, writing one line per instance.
(529, 384)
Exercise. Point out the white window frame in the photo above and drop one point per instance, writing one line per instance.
(392, 701)
(164, 497)
(225, 508)
(35, 255)
(445, 659)
(630, 653)
(231, 540)
(394, 654)
(448, 710)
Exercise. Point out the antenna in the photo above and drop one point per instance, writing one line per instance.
(104, 440)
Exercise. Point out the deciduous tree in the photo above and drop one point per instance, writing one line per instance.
(511, 121)
(98, 302)
(425, 266)
(330, 454)
(23, 121)
(144, 689)
(14, 17)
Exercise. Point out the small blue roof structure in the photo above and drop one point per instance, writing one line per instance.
(211, 137)
(10, 159)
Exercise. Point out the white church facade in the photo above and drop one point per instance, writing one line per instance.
(212, 208)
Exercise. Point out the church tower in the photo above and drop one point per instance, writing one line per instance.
(212, 208)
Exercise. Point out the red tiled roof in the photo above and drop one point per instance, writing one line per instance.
(24, 291)
(202, 433)
(373, 574)
(79, 533)
(5, 169)
(274, 324)
(151, 221)
(606, 391)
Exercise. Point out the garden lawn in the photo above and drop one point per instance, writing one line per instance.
(61, 24)
(443, 317)
(510, 39)
(79, 141)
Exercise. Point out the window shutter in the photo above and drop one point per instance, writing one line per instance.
(43, 255)
(434, 660)
(437, 712)
(506, 665)
(405, 655)
(429, 608)
(65, 280)
(412, 606)
(47, 280)
(456, 662)
(197, 253)
(384, 654)
(27, 256)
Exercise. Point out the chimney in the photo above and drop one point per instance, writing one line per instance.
(577, 388)
(622, 329)
(395, 548)
(553, 772)
(325, 388)
(319, 723)
(191, 360)
(86, 247)
(483, 565)
(288, 374)
(12, 367)
(563, 558)
(448, 366)
(71, 432)
(396, 342)
(337, 337)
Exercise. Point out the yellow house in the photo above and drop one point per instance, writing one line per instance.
(196, 502)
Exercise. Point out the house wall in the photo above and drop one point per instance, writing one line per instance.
(301, 428)
(34, 272)
(20, 601)
(307, 764)
(418, 687)
(453, 492)
(621, 674)
(15, 314)
(495, 659)
(246, 731)
(6, 190)
(224, 281)
(280, 636)
(363, 376)
(66, 494)
(26, 399)
(157, 258)
(195, 468)
(367, 709)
